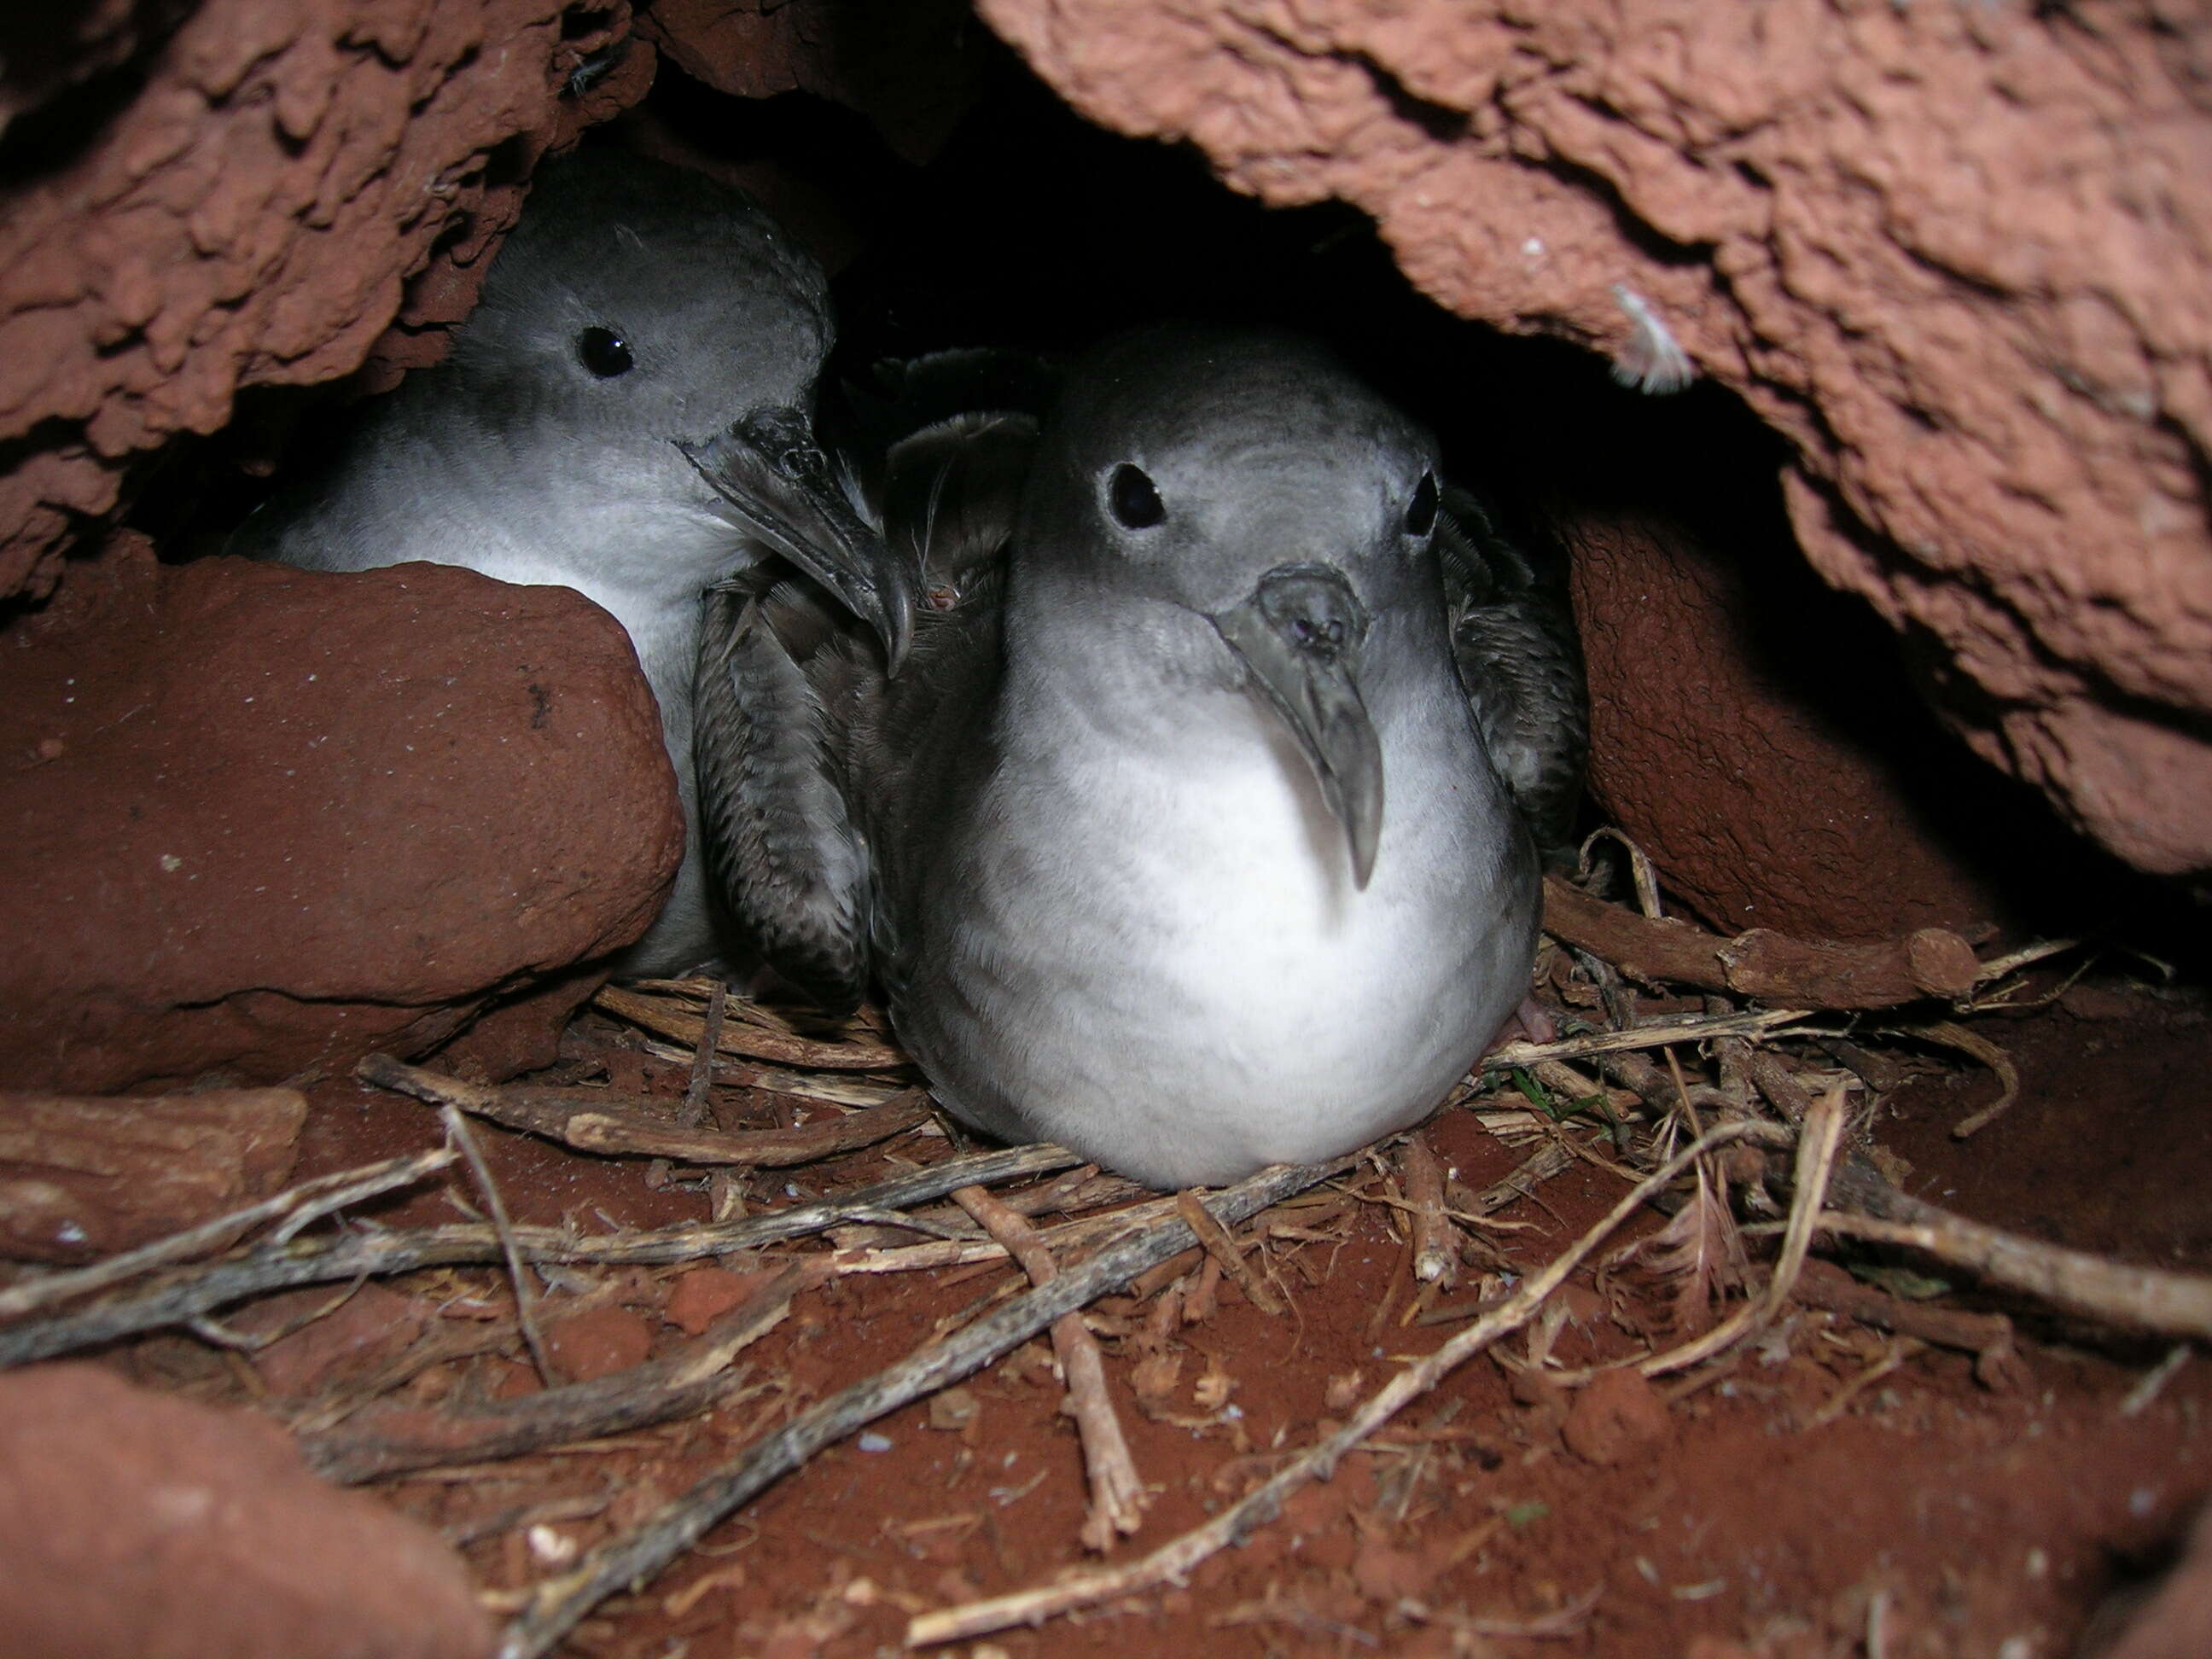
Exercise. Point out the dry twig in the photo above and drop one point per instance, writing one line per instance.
(580, 1118)
(687, 1379)
(1223, 1249)
(191, 1293)
(302, 1206)
(1436, 1261)
(660, 1015)
(1821, 974)
(702, 1061)
(1117, 1494)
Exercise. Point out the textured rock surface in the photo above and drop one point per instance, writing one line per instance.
(81, 1179)
(196, 198)
(137, 1525)
(1956, 255)
(263, 821)
(911, 66)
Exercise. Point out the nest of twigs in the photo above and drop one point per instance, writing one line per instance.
(1725, 1086)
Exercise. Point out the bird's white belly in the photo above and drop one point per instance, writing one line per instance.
(1225, 996)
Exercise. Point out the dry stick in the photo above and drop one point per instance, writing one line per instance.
(1435, 1261)
(190, 1294)
(702, 1062)
(1173, 1561)
(687, 1379)
(1826, 974)
(1696, 1029)
(2168, 1303)
(654, 1014)
(1223, 1249)
(1117, 1494)
(307, 1202)
(579, 1118)
(558, 1604)
(457, 1131)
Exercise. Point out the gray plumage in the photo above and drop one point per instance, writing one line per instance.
(627, 412)
(1177, 840)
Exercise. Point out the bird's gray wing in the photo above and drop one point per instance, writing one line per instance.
(782, 846)
(1520, 663)
(809, 753)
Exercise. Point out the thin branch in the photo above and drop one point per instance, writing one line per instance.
(1223, 1249)
(1695, 1029)
(1117, 1494)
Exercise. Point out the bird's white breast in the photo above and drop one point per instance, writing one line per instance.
(1220, 994)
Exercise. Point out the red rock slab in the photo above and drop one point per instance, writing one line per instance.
(140, 1526)
(1954, 255)
(262, 821)
(81, 1179)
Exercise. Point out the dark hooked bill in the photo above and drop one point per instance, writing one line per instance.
(774, 476)
(1299, 634)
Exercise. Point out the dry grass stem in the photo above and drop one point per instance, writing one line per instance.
(1117, 1494)
(457, 1131)
(1223, 1249)
(1173, 1561)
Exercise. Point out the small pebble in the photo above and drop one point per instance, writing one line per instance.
(875, 1442)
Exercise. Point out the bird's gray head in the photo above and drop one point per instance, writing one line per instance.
(1252, 480)
(655, 331)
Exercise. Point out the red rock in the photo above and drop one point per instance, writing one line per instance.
(81, 1179)
(298, 817)
(703, 1295)
(1777, 772)
(136, 1523)
(597, 1342)
(1615, 1414)
(1925, 262)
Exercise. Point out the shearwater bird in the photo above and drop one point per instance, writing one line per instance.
(1180, 839)
(627, 412)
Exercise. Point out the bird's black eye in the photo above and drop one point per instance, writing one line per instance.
(1421, 511)
(605, 352)
(1134, 499)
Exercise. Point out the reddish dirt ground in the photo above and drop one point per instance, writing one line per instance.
(1766, 1513)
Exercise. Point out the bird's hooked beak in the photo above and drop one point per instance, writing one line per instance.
(773, 475)
(1299, 635)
